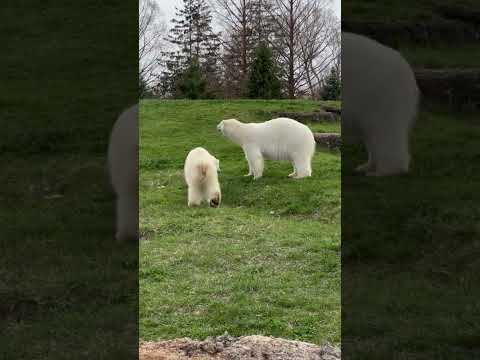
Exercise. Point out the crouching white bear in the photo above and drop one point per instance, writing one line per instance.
(201, 175)
(123, 169)
(381, 99)
(277, 139)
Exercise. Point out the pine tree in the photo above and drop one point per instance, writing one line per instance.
(263, 82)
(333, 87)
(192, 85)
(143, 89)
(193, 37)
(212, 69)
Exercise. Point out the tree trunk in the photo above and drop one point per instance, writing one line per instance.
(244, 64)
(291, 48)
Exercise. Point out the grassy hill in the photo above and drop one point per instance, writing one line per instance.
(266, 262)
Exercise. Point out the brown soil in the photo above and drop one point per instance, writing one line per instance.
(230, 348)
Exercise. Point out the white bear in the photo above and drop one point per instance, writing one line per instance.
(276, 139)
(201, 175)
(123, 169)
(380, 103)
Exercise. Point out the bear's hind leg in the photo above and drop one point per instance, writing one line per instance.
(368, 166)
(389, 154)
(302, 167)
(127, 217)
(194, 196)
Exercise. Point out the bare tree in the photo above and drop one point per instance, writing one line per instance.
(151, 29)
(337, 49)
(303, 41)
(319, 49)
(246, 26)
(236, 16)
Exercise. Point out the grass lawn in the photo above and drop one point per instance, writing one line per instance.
(411, 248)
(266, 262)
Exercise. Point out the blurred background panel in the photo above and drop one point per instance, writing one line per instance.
(67, 289)
(410, 243)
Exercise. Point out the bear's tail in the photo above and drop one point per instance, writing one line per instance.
(202, 171)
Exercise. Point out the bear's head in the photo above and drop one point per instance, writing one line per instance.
(229, 127)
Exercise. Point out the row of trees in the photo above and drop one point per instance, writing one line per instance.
(267, 49)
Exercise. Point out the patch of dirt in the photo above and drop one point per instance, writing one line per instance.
(226, 347)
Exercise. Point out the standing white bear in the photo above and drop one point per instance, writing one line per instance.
(202, 178)
(381, 100)
(123, 168)
(276, 139)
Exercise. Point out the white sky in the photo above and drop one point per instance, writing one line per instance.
(168, 8)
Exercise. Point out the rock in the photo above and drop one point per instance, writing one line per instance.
(225, 347)
(460, 88)
(304, 117)
(333, 110)
(463, 13)
(330, 140)
(395, 34)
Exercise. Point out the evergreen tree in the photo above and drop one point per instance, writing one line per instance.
(263, 82)
(212, 70)
(193, 38)
(333, 87)
(192, 85)
(142, 87)
(145, 91)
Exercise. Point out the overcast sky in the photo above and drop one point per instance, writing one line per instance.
(168, 7)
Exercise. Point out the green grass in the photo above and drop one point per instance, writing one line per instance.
(266, 262)
(411, 248)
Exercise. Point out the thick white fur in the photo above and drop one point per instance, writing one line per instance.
(277, 139)
(123, 168)
(202, 178)
(381, 98)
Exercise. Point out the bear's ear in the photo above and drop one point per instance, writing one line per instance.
(218, 165)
